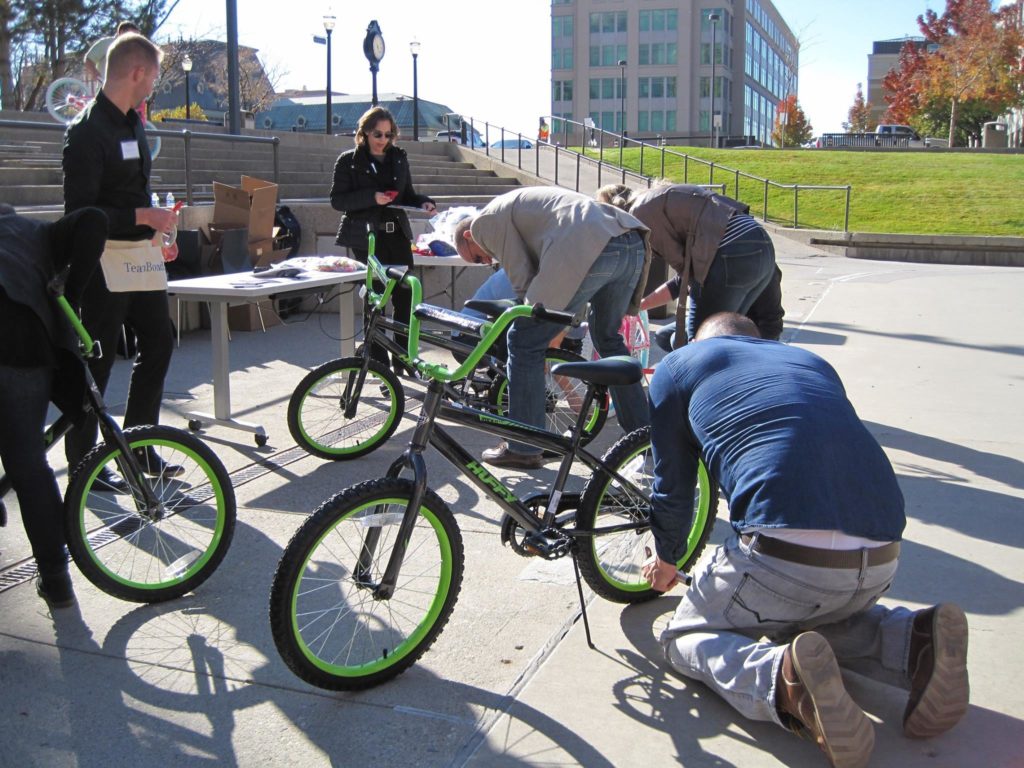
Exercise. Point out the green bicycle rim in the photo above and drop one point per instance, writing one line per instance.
(413, 641)
(693, 538)
(208, 551)
(341, 451)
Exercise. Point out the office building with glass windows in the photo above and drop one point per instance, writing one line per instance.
(645, 67)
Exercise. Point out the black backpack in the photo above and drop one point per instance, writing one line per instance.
(290, 234)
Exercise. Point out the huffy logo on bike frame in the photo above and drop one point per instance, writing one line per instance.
(490, 481)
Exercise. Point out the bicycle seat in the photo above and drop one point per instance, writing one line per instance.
(449, 318)
(611, 371)
(489, 307)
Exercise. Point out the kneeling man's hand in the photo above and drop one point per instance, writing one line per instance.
(661, 575)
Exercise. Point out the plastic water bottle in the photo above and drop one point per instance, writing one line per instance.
(154, 200)
(169, 202)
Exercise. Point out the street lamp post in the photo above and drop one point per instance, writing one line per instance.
(622, 107)
(713, 18)
(328, 28)
(414, 49)
(186, 65)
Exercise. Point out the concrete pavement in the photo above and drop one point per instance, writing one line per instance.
(931, 356)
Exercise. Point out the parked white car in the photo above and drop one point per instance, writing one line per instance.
(455, 137)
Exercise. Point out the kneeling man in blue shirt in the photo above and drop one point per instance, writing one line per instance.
(817, 517)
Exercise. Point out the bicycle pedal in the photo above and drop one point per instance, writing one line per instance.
(549, 544)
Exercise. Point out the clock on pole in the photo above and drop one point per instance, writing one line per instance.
(373, 48)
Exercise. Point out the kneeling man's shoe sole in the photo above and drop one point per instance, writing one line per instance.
(841, 728)
(939, 696)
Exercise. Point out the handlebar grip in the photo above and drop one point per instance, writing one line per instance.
(396, 273)
(57, 283)
(562, 318)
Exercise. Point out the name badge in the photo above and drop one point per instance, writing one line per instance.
(130, 150)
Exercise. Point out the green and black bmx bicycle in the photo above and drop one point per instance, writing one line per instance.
(348, 407)
(368, 582)
(152, 537)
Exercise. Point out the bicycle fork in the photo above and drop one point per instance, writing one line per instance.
(354, 386)
(413, 459)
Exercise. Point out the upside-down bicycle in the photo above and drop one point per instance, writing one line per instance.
(67, 96)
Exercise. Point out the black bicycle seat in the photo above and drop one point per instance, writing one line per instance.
(489, 307)
(612, 371)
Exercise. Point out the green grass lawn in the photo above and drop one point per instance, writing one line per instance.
(918, 192)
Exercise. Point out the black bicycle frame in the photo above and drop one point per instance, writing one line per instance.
(375, 333)
(427, 432)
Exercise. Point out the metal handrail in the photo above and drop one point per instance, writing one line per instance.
(185, 135)
(599, 138)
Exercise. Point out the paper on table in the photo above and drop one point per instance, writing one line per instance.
(410, 208)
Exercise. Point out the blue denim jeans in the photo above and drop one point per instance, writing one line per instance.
(738, 274)
(608, 286)
(738, 597)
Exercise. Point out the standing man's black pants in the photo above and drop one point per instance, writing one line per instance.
(103, 314)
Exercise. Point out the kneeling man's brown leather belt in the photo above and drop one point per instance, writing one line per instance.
(821, 558)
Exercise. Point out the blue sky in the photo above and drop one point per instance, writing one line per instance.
(494, 64)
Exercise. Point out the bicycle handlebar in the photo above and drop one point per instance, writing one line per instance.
(552, 316)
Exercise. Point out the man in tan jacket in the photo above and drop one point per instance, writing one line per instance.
(560, 249)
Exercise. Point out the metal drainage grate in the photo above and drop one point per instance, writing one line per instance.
(25, 570)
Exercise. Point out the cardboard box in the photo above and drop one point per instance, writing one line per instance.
(245, 317)
(263, 254)
(252, 205)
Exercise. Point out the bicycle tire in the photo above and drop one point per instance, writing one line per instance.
(154, 141)
(320, 610)
(132, 556)
(316, 417)
(611, 564)
(561, 417)
(65, 98)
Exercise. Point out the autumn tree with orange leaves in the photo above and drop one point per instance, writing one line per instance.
(791, 128)
(858, 119)
(971, 57)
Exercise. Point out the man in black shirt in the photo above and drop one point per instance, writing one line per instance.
(107, 165)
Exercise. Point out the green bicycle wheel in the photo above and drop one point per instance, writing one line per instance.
(328, 622)
(563, 401)
(150, 552)
(612, 564)
(316, 410)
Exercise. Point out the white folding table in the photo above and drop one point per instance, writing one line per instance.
(224, 290)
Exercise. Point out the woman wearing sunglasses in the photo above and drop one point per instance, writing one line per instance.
(369, 181)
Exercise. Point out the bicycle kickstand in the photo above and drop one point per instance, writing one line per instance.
(583, 603)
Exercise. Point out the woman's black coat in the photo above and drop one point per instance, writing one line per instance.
(356, 182)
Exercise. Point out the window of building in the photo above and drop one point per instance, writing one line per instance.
(561, 26)
(659, 21)
(656, 121)
(607, 23)
(605, 88)
(606, 55)
(561, 90)
(656, 87)
(652, 54)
